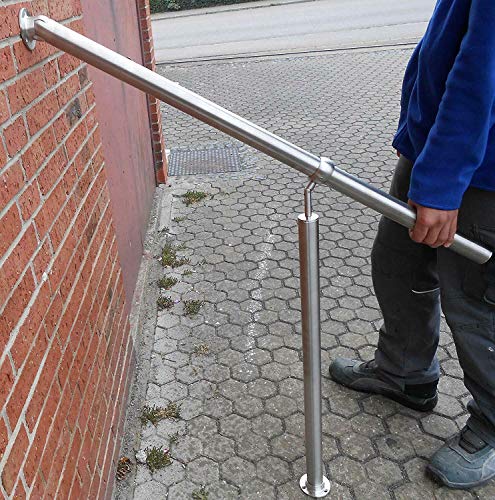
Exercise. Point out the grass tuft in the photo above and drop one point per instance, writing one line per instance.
(200, 494)
(164, 303)
(167, 282)
(157, 458)
(202, 350)
(170, 257)
(194, 197)
(154, 414)
(192, 307)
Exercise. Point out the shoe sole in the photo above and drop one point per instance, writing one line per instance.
(439, 478)
(395, 396)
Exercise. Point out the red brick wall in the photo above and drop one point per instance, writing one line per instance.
(153, 103)
(65, 348)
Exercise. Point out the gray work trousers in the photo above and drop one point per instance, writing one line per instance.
(412, 281)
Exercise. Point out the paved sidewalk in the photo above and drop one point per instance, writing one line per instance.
(236, 367)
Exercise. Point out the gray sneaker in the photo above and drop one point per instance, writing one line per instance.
(464, 462)
(365, 377)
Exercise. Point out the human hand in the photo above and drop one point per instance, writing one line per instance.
(433, 227)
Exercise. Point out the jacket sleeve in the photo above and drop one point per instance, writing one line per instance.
(456, 144)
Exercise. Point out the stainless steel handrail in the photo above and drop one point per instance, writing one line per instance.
(319, 170)
(323, 172)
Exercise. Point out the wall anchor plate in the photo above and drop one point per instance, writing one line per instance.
(26, 23)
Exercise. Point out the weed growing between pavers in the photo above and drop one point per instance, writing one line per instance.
(154, 414)
(164, 303)
(178, 219)
(192, 307)
(157, 458)
(187, 272)
(191, 197)
(201, 350)
(200, 494)
(170, 258)
(167, 282)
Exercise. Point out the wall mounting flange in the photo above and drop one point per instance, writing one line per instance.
(26, 23)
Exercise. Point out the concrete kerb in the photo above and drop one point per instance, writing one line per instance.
(225, 8)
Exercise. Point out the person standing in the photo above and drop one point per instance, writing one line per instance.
(446, 172)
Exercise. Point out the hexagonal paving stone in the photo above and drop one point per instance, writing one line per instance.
(367, 491)
(219, 448)
(237, 470)
(171, 474)
(262, 388)
(288, 447)
(357, 446)
(245, 372)
(286, 356)
(234, 425)
(275, 372)
(273, 470)
(202, 470)
(439, 426)
(395, 447)
(150, 490)
(217, 407)
(248, 406)
(180, 491)
(203, 427)
(188, 448)
(267, 426)
(281, 406)
(251, 447)
(383, 471)
(347, 471)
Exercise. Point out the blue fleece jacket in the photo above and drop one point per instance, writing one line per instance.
(447, 118)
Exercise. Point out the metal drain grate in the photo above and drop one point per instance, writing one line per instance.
(212, 160)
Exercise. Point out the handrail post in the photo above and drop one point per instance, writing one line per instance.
(313, 483)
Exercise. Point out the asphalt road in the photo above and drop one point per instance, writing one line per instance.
(318, 25)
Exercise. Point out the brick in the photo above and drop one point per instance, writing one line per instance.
(19, 258)
(20, 492)
(63, 9)
(53, 315)
(42, 259)
(4, 110)
(29, 200)
(67, 90)
(3, 437)
(10, 225)
(14, 461)
(61, 126)
(15, 136)
(67, 64)
(46, 389)
(50, 72)
(10, 20)
(25, 58)
(11, 182)
(70, 467)
(7, 381)
(75, 139)
(25, 381)
(17, 303)
(7, 68)
(41, 113)
(52, 170)
(25, 90)
(37, 153)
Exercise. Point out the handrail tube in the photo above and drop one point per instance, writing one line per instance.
(63, 38)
